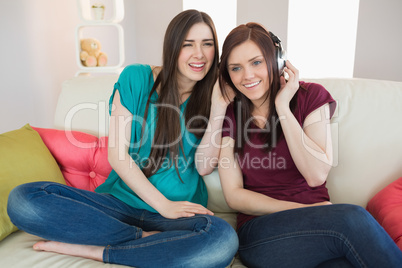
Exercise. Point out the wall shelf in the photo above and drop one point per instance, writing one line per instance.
(107, 30)
(114, 10)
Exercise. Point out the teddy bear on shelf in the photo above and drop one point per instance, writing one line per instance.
(91, 55)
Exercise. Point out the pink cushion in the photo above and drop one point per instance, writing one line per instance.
(386, 207)
(82, 157)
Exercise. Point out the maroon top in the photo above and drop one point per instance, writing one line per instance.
(275, 174)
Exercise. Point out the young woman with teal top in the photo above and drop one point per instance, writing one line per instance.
(134, 86)
(151, 211)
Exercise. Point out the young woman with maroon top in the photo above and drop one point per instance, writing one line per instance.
(275, 157)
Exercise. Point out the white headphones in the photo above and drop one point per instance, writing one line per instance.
(280, 53)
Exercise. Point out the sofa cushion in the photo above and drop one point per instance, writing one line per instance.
(386, 207)
(216, 199)
(25, 158)
(16, 252)
(366, 137)
(82, 157)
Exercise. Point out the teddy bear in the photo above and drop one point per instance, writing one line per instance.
(91, 54)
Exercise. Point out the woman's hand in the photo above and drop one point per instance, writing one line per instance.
(179, 209)
(288, 88)
(219, 99)
(208, 150)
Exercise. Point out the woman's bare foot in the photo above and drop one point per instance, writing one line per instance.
(85, 251)
(89, 252)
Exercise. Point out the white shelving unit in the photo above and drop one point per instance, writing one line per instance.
(106, 29)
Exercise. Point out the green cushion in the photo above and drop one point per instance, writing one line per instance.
(24, 158)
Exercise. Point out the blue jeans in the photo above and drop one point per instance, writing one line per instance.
(323, 236)
(62, 213)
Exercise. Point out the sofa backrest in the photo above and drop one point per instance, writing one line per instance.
(83, 104)
(366, 131)
(367, 137)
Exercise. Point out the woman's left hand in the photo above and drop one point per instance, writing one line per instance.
(289, 87)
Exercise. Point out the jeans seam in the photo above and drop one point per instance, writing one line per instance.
(204, 230)
(87, 197)
(163, 219)
(94, 201)
(156, 242)
(106, 254)
(337, 235)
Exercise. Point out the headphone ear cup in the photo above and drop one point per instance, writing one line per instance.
(281, 59)
(281, 56)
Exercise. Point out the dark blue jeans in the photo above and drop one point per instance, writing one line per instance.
(62, 213)
(323, 236)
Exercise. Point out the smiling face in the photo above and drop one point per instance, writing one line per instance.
(196, 55)
(248, 71)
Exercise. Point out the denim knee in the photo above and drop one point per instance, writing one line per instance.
(20, 208)
(223, 244)
(354, 216)
(199, 241)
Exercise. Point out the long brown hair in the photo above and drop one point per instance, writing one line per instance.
(168, 127)
(243, 106)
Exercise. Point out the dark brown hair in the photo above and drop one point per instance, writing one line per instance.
(243, 106)
(168, 127)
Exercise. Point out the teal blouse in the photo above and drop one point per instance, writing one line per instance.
(134, 85)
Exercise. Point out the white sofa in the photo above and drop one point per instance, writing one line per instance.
(366, 132)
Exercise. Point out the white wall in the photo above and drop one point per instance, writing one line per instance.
(38, 46)
(273, 14)
(38, 53)
(379, 40)
(144, 24)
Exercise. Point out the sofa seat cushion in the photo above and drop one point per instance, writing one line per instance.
(24, 159)
(386, 207)
(82, 157)
(16, 251)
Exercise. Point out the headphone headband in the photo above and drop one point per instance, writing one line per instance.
(275, 39)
